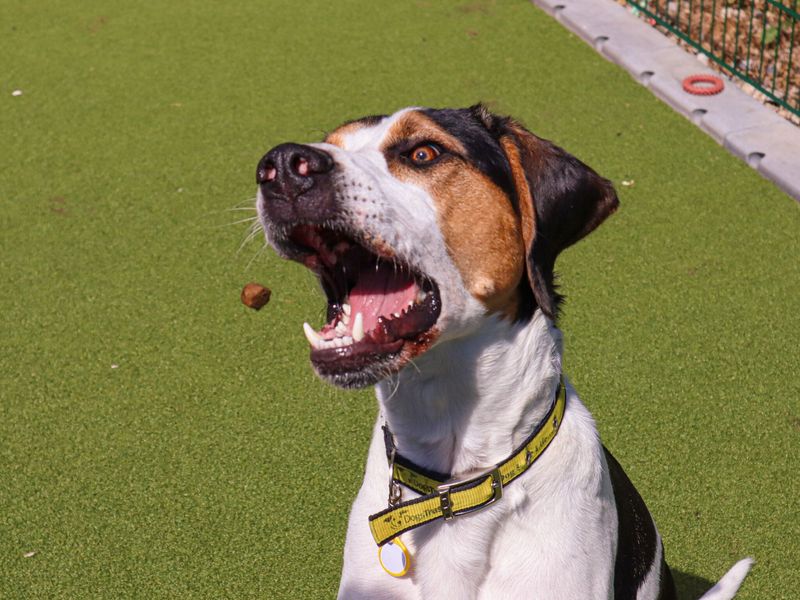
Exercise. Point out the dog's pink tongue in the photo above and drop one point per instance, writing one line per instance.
(380, 291)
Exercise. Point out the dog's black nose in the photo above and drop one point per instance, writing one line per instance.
(290, 170)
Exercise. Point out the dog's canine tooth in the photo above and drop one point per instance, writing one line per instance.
(312, 336)
(346, 309)
(358, 327)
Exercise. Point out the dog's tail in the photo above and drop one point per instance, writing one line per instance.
(726, 588)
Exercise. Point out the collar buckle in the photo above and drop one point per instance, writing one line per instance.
(446, 501)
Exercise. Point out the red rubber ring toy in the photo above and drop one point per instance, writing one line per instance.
(690, 85)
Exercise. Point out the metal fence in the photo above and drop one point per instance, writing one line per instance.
(753, 40)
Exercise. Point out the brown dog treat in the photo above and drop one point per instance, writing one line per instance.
(255, 295)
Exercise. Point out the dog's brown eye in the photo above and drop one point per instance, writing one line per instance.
(424, 154)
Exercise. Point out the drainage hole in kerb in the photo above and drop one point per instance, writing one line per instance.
(754, 159)
(697, 115)
(645, 76)
(599, 41)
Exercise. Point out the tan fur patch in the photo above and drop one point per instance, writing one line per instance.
(337, 136)
(523, 192)
(476, 218)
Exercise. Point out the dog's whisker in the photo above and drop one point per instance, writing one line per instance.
(413, 364)
(246, 205)
(245, 208)
(252, 200)
(396, 380)
(239, 222)
(256, 255)
(255, 229)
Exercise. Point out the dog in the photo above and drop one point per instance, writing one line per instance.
(434, 234)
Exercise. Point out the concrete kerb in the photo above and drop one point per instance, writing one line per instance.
(738, 122)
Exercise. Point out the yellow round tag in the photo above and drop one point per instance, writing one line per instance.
(394, 558)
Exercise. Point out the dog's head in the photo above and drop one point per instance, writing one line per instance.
(420, 225)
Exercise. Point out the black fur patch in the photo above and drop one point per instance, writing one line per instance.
(570, 200)
(636, 539)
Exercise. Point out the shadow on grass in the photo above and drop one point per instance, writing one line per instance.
(688, 586)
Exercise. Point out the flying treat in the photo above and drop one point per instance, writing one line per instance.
(255, 295)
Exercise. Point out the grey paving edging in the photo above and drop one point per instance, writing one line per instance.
(740, 123)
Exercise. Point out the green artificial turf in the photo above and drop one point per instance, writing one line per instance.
(159, 440)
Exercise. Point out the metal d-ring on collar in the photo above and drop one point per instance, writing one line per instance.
(395, 493)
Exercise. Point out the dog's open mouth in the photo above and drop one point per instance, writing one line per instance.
(377, 305)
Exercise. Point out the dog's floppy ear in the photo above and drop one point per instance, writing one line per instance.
(561, 200)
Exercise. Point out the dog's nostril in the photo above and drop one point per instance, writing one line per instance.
(266, 173)
(300, 166)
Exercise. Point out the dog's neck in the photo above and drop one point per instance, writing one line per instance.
(466, 404)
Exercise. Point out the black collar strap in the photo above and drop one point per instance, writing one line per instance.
(442, 498)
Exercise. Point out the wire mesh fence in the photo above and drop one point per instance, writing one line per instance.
(754, 40)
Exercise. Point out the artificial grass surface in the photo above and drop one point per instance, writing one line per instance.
(159, 440)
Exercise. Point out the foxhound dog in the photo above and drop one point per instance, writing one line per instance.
(434, 234)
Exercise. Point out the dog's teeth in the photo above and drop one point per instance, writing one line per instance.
(358, 327)
(325, 344)
(341, 328)
(396, 315)
(346, 309)
(338, 342)
(421, 294)
(312, 336)
(347, 340)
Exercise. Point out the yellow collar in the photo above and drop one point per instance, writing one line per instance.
(444, 499)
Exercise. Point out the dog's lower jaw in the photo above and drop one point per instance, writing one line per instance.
(379, 368)
(360, 378)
